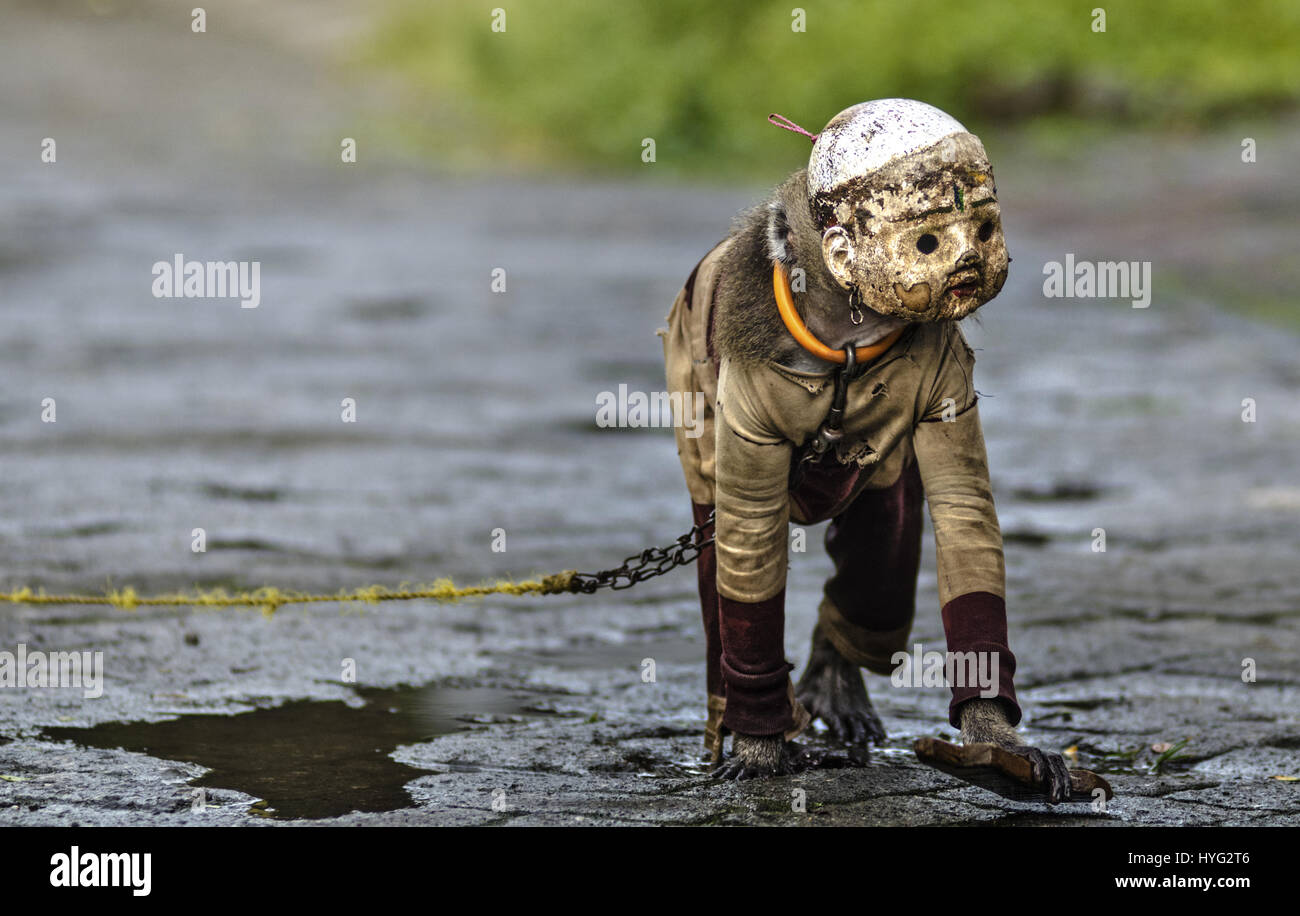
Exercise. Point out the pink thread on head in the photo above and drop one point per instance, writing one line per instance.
(786, 124)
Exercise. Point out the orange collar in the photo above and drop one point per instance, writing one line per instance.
(799, 331)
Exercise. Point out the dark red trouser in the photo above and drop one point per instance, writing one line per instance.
(875, 544)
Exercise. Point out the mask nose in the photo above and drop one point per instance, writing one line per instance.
(970, 259)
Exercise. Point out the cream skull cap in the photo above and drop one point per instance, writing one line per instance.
(861, 139)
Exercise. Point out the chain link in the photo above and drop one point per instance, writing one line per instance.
(651, 562)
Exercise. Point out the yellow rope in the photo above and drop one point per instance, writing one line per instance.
(272, 599)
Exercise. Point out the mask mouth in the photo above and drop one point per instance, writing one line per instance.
(964, 284)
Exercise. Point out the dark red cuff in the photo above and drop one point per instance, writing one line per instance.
(754, 668)
(977, 622)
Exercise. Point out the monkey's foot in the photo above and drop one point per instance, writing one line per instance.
(832, 689)
(755, 756)
(1022, 773)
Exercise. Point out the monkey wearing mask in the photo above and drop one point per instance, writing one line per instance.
(823, 333)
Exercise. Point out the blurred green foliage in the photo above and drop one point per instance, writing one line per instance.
(580, 83)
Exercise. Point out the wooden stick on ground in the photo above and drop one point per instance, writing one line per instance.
(990, 767)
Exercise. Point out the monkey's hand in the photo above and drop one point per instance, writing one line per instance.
(754, 756)
(1050, 771)
(986, 721)
(832, 689)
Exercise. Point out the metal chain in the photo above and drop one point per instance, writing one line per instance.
(651, 562)
(831, 430)
(655, 561)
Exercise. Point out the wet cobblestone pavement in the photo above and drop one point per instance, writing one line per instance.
(476, 412)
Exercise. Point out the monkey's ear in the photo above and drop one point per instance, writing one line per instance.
(778, 234)
(837, 252)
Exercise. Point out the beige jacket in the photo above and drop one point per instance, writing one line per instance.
(917, 399)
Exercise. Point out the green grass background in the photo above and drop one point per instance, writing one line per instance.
(577, 84)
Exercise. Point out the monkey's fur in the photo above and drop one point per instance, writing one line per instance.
(749, 328)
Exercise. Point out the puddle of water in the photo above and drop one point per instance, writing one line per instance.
(311, 758)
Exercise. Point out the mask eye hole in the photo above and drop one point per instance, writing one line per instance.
(927, 243)
(986, 230)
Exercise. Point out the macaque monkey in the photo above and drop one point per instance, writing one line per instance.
(824, 334)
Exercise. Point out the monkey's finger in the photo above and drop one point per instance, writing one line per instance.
(1052, 779)
(1060, 777)
(850, 728)
(1035, 758)
(1046, 773)
(727, 770)
(859, 731)
(737, 771)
